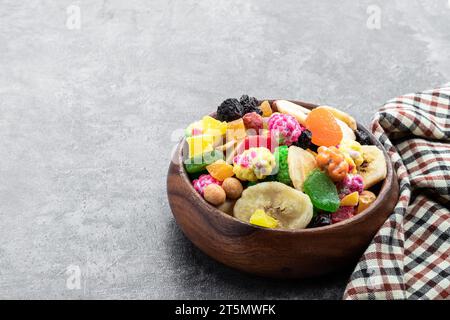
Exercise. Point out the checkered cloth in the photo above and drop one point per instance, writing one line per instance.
(409, 258)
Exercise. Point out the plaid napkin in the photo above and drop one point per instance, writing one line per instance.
(409, 258)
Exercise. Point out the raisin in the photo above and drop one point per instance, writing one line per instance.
(250, 104)
(229, 110)
(304, 140)
(322, 219)
(362, 137)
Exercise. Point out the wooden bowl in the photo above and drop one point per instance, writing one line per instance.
(276, 253)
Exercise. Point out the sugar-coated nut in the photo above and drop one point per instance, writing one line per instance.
(214, 194)
(233, 188)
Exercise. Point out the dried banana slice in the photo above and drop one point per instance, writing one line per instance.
(344, 117)
(373, 169)
(300, 164)
(290, 207)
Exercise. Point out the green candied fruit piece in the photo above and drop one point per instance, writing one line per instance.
(281, 156)
(199, 162)
(322, 191)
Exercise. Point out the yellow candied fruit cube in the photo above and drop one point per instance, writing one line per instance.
(262, 219)
(350, 200)
(213, 126)
(200, 144)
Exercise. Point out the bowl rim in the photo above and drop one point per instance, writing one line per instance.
(332, 227)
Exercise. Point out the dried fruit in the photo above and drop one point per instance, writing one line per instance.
(324, 128)
(266, 109)
(362, 137)
(254, 164)
(214, 194)
(320, 220)
(236, 130)
(347, 133)
(285, 127)
(295, 110)
(200, 144)
(229, 110)
(366, 198)
(220, 170)
(213, 126)
(342, 214)
(350, 200)
(304, 140)
(233, 188)
(333, 161)
(344, 117)
(291, 208)
(261, 219)
(373, 169)
(253, 123)
(281, 157)
(322, 191)
(249, 104)
(301, 163)
(203, 181)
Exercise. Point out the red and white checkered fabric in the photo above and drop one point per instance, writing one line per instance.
(409, 258)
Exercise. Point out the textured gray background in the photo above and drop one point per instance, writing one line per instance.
(87, 119)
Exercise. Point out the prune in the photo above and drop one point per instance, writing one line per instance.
(250, 104)
(322, 219)
(362, 137)
(229, 110)
(304, 141)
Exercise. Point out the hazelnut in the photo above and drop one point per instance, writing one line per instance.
(214, 194)
(233, 188)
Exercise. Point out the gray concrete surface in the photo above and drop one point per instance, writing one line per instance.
(89, 116)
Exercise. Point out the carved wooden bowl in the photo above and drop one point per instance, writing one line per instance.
(276, 253)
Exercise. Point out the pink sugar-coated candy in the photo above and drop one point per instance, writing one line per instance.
(342, 214)
(286, 126)
(350, 184)
(203, 181)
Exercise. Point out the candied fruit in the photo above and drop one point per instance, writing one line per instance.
(266, 109)
(324, 128)
(350, 200)
(366, 198)
(322, 191)
(262, 219)
(220, 170)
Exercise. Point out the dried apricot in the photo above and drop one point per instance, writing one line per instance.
(220, 170)
(324, 128)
